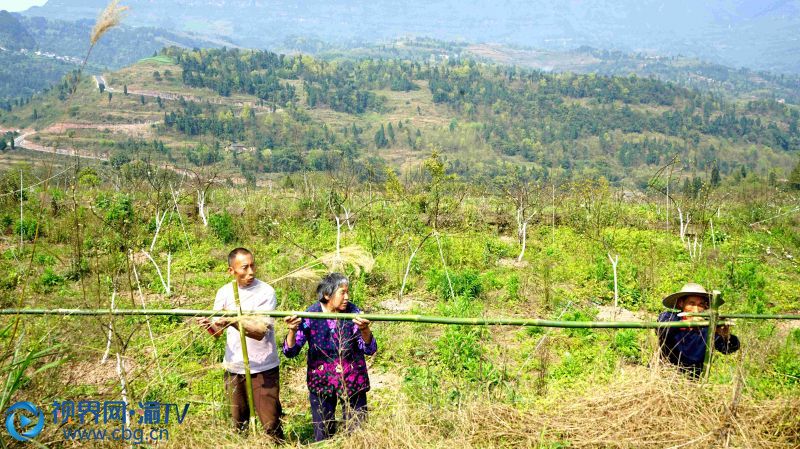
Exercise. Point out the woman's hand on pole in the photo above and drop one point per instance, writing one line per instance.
(293, 323)
(363, 326)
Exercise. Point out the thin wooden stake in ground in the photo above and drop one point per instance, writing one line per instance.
(711, 333)
(248, 380)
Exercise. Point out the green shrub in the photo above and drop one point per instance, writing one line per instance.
(465, 283)
(626, 344)
(578, 315)
(221, 225)
(49, 280)
(26, 227)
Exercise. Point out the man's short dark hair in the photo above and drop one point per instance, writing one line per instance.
(329, 284)
(232, 255)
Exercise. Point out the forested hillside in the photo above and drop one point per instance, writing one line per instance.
(294, 113)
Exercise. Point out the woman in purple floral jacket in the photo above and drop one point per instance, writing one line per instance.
(337, 371)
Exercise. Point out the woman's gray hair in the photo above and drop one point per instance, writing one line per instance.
(329, 284)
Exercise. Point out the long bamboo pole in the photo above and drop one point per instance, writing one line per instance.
(750, 316)
(483, 321)
(248, 379)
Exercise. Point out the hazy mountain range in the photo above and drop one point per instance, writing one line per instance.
(759, 34)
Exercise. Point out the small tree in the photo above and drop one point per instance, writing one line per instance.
(125, 89)
(794, 177)
(715, 177)
(524, 193)
(390, 132)
(380, 138)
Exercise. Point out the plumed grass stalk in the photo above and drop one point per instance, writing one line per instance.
(354, 256)
(108, 19)
(248, 379)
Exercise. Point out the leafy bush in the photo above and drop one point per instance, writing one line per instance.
(626, 344)
(49, 280)
(578, 315)
(466, 284)
(26, 227)
(221, 225)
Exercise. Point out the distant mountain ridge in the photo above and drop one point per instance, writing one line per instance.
(38, 51)
(14, 36)
(749, 33)
(120, 47)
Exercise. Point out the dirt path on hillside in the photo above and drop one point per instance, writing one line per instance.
(22, 141)
(171, 96)
(133, 129)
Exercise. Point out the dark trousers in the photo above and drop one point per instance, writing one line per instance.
(266, 387)
(323, 413)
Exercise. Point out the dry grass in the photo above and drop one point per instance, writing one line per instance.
(641, 408)
(655, 409)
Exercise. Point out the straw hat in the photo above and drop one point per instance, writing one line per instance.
(690, 289)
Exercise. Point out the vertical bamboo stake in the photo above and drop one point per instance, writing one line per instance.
(444, 264)
(712, 333)
(553, 229)
(614, 263)
(21, 225)
(147, 318)
(713, 236)
(110, 331)
(248, 380)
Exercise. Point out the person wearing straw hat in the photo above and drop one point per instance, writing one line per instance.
(261, 347)
(686, 347)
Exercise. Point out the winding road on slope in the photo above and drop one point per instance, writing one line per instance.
(22, 141)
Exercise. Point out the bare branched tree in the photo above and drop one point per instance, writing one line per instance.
(526, 196)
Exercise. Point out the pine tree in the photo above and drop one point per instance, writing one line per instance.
(380, 138)
(390, 132)
(794, 177)
(715, 178)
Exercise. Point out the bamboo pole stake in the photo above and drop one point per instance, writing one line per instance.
(444, 264)
(248, 380)
(21, 224)
(110, 331)
(711, 333)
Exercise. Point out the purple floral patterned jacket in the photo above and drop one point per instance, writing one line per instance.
(336, 364)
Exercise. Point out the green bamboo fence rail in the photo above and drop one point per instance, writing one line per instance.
(482, 321)
(749, 316)
(715, 319)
